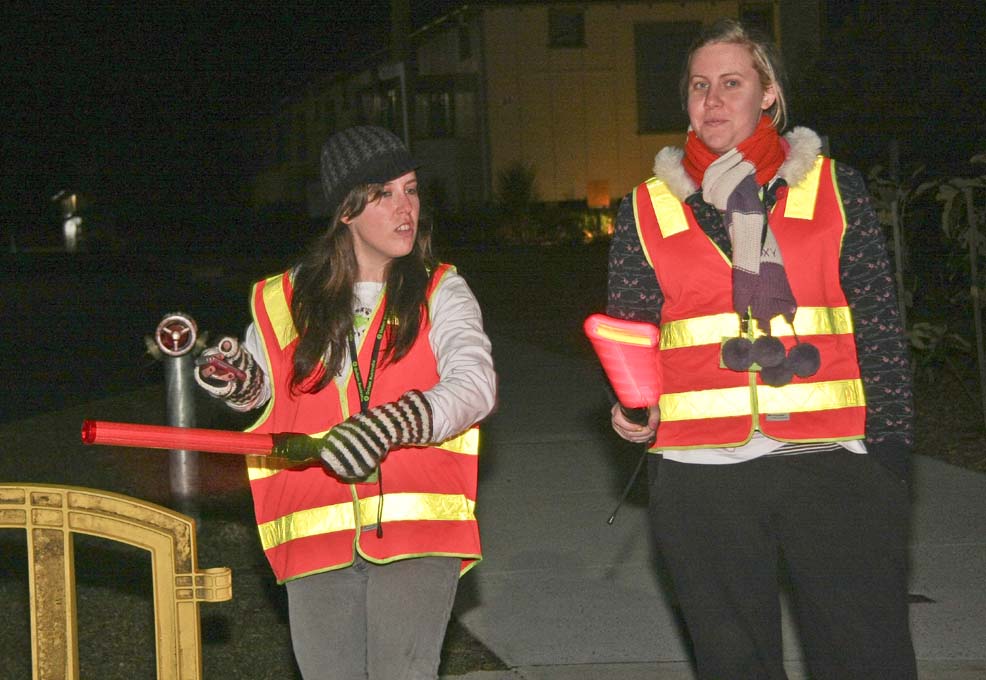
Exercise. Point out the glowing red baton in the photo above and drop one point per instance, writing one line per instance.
(628, 351)
(180, 438)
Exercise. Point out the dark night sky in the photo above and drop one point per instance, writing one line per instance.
(133, 104)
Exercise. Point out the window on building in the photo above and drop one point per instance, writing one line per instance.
(566, 27)
(659, 47)
(392, 117)
(326, 123)
(465, 42)
(434, 115)
(368, 106)
(758, 15)
(300, 136)
(380, 107)
(466, 116)
(283, 137)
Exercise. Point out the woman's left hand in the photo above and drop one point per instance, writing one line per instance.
(636, 432)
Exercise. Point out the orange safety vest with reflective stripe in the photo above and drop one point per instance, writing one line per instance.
(308, 520)
(704, 404)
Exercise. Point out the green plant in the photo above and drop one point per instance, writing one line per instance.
(516, 188)
(934, 347)
(892, 198)
(965, 222)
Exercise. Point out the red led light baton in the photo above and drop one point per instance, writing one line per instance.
(181, 438)
(628, 351)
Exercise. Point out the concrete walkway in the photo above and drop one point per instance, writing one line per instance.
(561, 594)
(564, 595)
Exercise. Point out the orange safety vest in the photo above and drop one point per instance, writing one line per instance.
(704, 404)
(309, 521)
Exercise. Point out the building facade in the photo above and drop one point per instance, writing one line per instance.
(582, 95)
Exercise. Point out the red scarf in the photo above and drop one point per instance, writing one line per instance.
(763, 148)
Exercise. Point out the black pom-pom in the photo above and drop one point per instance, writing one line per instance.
(777, 376)
(768, 351)
(804, 359)
(737, 354)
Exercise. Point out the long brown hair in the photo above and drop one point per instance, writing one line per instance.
(322, 303)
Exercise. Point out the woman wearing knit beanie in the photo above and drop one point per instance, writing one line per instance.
(371, 363)
(784, 429)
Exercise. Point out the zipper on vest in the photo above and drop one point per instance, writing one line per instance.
(754, 402)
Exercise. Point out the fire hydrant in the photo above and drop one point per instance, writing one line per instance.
(175, 337)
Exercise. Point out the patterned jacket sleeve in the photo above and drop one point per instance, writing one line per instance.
(632, 292)
(868, 283)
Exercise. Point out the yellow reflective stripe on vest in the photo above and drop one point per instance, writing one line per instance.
(669, 210)
(259, 467)
(397, 507)
(818, 396)
(466, 443)
(279, 311)
(324, 520)
(802, 196)
(711, 329)
(736, 401)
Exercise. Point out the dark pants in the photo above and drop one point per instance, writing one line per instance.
(837, 522)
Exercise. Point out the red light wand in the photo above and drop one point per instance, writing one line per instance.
(629, 352)
(168, 437)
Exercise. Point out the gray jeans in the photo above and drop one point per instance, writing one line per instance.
(373, 621)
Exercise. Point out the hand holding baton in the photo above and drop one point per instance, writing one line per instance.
(629, 354)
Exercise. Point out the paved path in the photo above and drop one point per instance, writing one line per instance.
(563, 595)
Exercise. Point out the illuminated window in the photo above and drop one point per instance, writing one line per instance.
(566, 28)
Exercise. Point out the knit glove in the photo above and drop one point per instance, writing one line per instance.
(354, 448)
(227, 371)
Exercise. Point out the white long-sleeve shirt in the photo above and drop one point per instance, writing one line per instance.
(466, 389)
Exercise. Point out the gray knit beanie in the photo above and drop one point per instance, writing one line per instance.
(364, 154)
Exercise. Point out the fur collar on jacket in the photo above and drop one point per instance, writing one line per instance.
(804, 145)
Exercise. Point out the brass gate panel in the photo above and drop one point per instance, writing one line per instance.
(50, 514)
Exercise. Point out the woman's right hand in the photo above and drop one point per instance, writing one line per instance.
(229, 372)
(636, 432)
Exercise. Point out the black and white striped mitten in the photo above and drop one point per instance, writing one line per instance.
(227, 371)
(353, 448)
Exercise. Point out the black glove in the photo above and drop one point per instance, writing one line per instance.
(227, 371)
